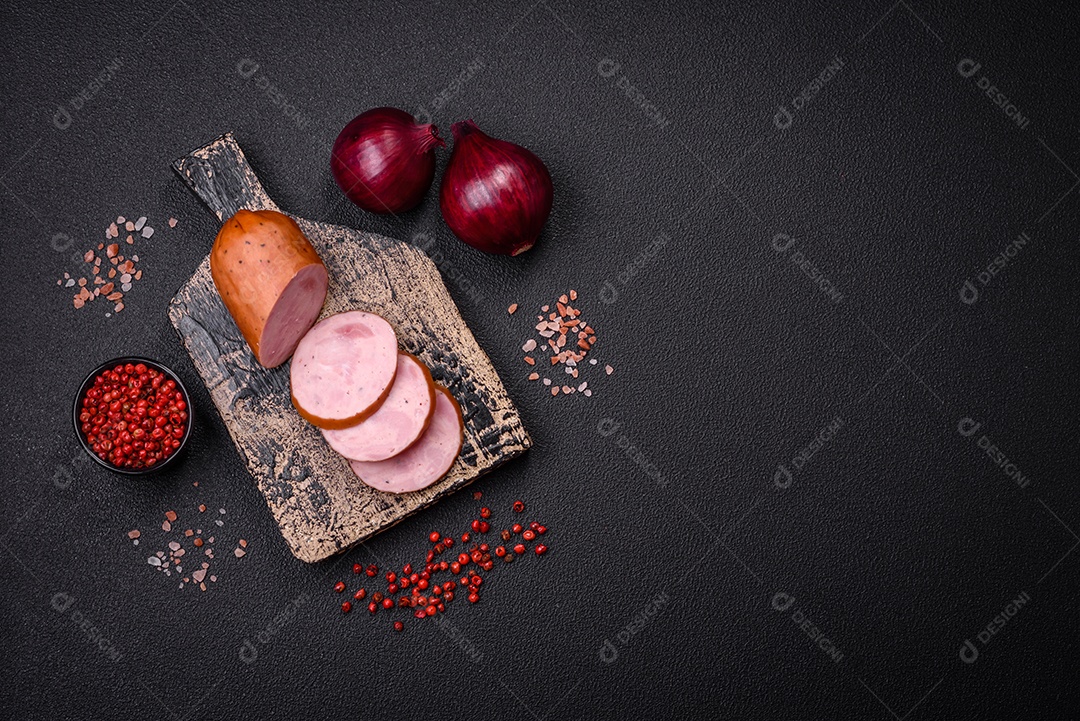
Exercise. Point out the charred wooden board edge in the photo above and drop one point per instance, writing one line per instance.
(223, 193)
(220, 175)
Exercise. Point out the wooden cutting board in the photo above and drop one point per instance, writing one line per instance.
(321, 507)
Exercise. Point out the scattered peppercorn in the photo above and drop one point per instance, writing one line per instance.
(430, 594)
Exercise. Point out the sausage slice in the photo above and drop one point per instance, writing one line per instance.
(343, 369)
(401, 419)
(425, 461)
(271, 280)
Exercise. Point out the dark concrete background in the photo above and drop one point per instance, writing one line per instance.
(898, 180)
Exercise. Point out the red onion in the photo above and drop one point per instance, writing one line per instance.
(495, 195)
(384, 160)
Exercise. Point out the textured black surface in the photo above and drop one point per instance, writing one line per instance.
(899, 539)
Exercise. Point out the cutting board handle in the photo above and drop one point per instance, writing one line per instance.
(220, 175)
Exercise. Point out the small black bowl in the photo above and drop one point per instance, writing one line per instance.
(88, 384)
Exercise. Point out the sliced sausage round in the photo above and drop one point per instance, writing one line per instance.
(401, 419)
(343, 369)
(425, 461)
(271, 280)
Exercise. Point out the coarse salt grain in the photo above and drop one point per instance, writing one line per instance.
(172, 222)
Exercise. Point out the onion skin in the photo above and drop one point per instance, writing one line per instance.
(495, 196)
(384, 160)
